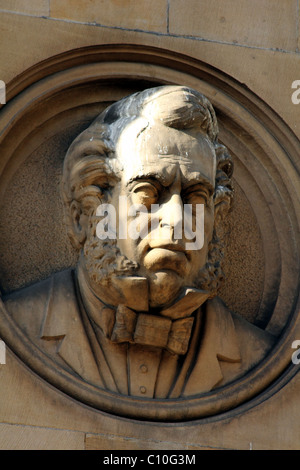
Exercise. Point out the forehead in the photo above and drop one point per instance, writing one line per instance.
(152, 149)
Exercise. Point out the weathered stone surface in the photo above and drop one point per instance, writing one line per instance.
(110, 442)
(260, 427)
(143, 15)
(254, 67)
(253, 42)
(18, 437)
(253, 24)
(34, 7)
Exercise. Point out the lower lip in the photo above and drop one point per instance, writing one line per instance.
(164, 258)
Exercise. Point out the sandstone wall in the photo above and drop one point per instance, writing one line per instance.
(257, 43)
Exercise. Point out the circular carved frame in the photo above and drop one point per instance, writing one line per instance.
(266, 155)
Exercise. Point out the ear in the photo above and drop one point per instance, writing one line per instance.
(78, 224)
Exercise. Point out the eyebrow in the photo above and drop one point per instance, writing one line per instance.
(201, 181)
(148, 176)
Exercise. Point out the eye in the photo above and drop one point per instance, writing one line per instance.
(197, 196)
(145, 193)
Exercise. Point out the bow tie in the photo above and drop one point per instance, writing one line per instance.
(151, 330)
(171, 329)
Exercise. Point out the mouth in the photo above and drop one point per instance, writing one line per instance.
(167, 247)
(166, 258)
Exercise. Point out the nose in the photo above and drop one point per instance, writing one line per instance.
(170, 215)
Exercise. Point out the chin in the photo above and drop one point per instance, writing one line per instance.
(164, 287)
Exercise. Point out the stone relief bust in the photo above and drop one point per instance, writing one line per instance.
(141, 316)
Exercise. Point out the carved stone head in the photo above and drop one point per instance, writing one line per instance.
(157, 148)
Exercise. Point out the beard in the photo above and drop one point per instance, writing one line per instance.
(105, 262)
(103, 258)
(211, 276)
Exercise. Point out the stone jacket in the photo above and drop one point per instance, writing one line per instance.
(222, 347)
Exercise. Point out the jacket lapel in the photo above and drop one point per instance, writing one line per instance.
(62, 321)
(217, 343)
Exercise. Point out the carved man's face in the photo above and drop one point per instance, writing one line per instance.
(168, 167)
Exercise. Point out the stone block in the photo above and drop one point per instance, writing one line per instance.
(34, 7)
(143, 15)
(43, 417)
(256, 23)
(42, 412)
(15, 437)
(110, 442)
(25, 43)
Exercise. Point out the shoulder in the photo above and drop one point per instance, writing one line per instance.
(254, 343)
(28, 306)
